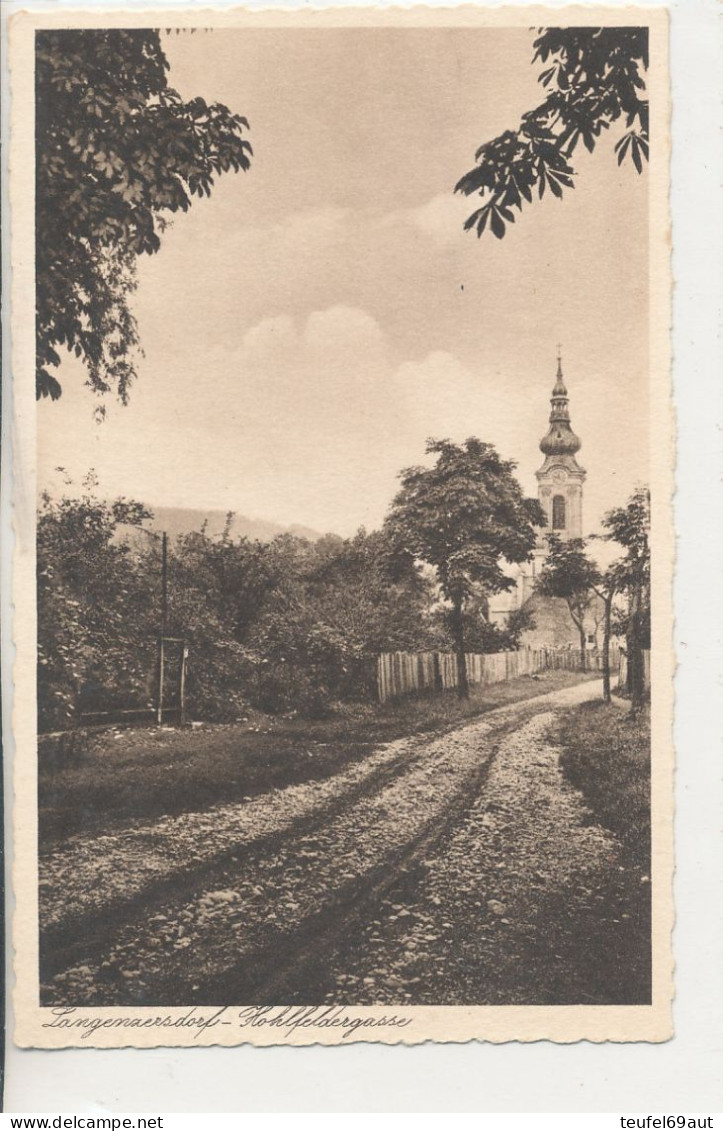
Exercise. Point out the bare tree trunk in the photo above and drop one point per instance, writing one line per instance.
(580, 626)
(583, 650)
(635, 655)
(458, 635)
(629, 648)
(608, 598)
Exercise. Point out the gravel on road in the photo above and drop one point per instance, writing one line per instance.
(525, 835)
(525, 902)
(90, 874)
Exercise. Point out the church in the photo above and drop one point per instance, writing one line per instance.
(560, 482)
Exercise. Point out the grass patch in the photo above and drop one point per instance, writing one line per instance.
(606, 755)
(122, 775)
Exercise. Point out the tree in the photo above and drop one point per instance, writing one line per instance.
(480, 633)
(94, 610)
(118, 152)
(312, 617)
(568, 573)
(629, 526)
(99, 609)
(376, 598)
(240, 577)
(607, 590)
(464, 516)
(594, 77)
(348, 600)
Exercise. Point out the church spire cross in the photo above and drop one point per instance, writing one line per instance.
(559, 391)
(560, 439)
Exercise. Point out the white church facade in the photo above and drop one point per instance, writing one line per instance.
(560, 482)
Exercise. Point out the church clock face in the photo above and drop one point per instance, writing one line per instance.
(558, 476)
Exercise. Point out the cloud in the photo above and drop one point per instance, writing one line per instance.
(310, 230)
(440, 389)
(344, 331)
(310, 417)
(338, 351)
(269, 336)
(441, 219)
(330, 381)
(297, 235)
(307, 419)
(443, 398)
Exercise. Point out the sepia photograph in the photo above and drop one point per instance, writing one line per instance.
(344, 537)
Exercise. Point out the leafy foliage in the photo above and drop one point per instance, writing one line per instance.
(118, 152)
(93, 612)
(481, 634)
(593, 78)
(349, 600)
(568, 573)
(629, 526)
(464, 516)
(285, 626)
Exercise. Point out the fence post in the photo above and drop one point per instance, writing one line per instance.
(182, 683)
(161, 677)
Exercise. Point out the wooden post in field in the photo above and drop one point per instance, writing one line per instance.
(164, 617)
(161, 677)
(182, 683)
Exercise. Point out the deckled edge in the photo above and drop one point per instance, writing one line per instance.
(644, 1023)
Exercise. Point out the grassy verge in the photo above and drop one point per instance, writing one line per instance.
(128, 774)
(606, 755)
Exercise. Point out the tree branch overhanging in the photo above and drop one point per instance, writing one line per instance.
(594, 79)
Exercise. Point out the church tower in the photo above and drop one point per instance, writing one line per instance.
(561, 478)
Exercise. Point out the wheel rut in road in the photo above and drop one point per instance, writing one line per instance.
(252, 923)
(75, 937)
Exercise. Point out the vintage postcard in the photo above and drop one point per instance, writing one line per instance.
(343, 473)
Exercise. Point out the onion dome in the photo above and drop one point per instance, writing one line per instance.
(560, 440)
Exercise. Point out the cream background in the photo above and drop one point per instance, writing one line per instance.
(439, 1023)
(683, 1074)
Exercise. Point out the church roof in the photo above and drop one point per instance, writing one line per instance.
(560, 440)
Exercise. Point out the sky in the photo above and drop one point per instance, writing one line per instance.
(309, 326)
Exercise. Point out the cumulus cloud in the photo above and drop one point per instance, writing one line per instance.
(319, 365)
(441, 218)
(330, 380)
(319, 416)
(310, 230)
(306, 419)
(296, 236)
(310, 413)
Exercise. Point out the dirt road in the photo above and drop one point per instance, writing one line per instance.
(406, 878)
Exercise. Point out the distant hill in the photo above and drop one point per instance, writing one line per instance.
(180, 520)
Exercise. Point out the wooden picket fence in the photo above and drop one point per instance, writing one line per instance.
(404, 673)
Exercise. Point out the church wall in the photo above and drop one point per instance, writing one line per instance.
(555, 628)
